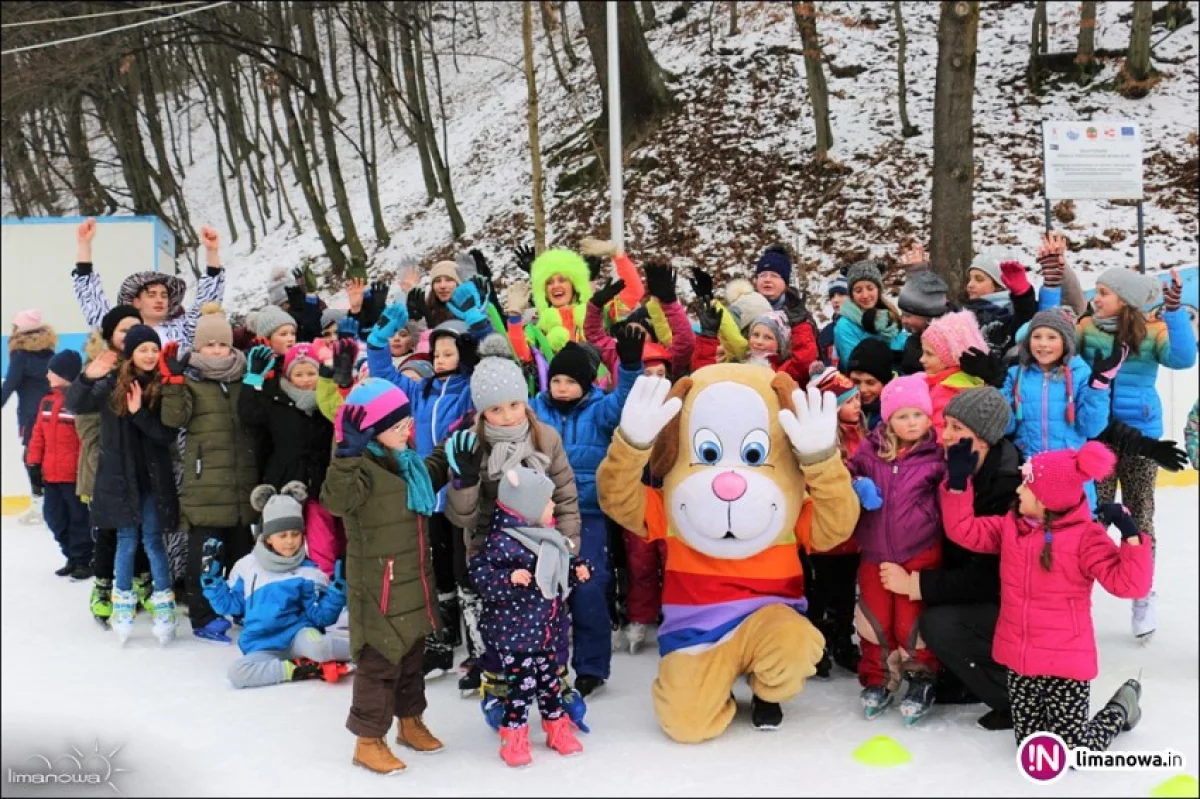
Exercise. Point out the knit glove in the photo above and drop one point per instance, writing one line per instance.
(793, 306)
(709, 316)
(354, 435)
(345, 352)
(171, 365)
(417, 307)
(1173, 293)
(961, 460)
(987, 366)
(524, 257)
(338, 586)
(516, 300)
(482, 266)
(1166, 454)
(348, 327)
(296, 296)
(465, 457)
(210, 563)
(702, 285)
(1105, 367)
(469, 304)
(1012, 274)
(868, 493)
(606, 295)
(595, 266)
(258, 363)
(630, 341)
(660, 283)
(1113, 514)
(394, 317)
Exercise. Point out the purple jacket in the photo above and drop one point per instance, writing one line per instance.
(516, 618)
(910, 521)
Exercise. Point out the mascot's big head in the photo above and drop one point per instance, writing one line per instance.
(730, 477)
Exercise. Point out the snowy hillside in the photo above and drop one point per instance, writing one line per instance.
(732, 169)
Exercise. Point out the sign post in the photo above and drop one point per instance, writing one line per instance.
(1096, 160)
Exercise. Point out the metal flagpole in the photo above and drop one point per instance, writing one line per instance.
(614, 131)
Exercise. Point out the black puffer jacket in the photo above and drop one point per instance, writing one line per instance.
(299, 443)
(135, 456)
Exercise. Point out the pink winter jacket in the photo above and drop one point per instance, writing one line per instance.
(683, 338)
(1045, 625)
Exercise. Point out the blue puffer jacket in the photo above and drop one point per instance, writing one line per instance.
(274, 606)
(1039, 407)
(587, 431)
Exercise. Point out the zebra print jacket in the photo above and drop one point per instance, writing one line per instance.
(180, 327)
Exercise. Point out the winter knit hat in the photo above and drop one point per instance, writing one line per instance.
(108, 325)
(278, 285)
(952, 335)
(864, 270)
(138, 335)
(444, 269)
(872, 356)
(744, 302)
(526, 493)
(924, 294)
(212, 327)
(573, 361)
(837, 286)
(386, 405)
(775, 259)
(422, 367)
(331, 316)
(66, 364)
(298, 354)
(1056, 319)
(826, 378)
(776, 322)
(1135, 289)
(497, 377)
(270, 319)
(281, 510)
(910, 391)
(983, 411)
(29, 319)
(989, 262)
(1057, 477)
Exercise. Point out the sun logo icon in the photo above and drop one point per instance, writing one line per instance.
(100, 764)
(77, 767)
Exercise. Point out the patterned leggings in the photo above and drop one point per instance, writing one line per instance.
(1059, 705)
(530, 677)
(1137, 476)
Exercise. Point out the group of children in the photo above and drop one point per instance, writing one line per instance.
(366, 489)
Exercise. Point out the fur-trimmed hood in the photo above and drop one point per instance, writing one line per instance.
(572, 266)
(36, 340)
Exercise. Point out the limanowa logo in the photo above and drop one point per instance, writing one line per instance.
(96, 768)
(1044, 757)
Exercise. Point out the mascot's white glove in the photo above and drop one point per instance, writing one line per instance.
(648, 410)
(812, 429)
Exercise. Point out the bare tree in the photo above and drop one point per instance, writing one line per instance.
(733, 18)
(535, 147)
(1136, 73)
(954, 142)
(818, 92)
(907, 129)
(1037, 46)
(649, 18)
(1085, 50)
(568, 50)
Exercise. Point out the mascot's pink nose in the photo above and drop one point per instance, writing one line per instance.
(729, 486)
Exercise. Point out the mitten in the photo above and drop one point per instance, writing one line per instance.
(1113, 514)
(868, 493)
(170, 365)
(258, 362)
(961, 460)
(1012, 273)
(467, 303)
(393, 318)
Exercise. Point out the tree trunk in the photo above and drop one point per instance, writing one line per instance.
(457, 226)
(733, 18)
(954, 142)
(1137, 63)
(475, 17)
(565, 29)
(644, 95)
(907, 129)
(366, 144)
(331, 45)
(414, 98)
(1085, 50)
(649, 18)
(535, 147)
(83, 170)
(818, 92)
(1037, 46)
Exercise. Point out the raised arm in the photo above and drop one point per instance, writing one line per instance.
(963, 527)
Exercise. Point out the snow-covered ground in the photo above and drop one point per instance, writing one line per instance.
(181, 729)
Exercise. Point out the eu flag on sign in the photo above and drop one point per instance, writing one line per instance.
(1127, 131)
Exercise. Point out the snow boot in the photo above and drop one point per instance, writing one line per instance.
(373, 754)
(214, 631)
(413, 733)
(1128, 699)
(101, 601)
(995, 720)
(765, 715)
(34, 513)
(471, 680)
(123, 604)
(824, 665)
(164, 616)
(1143, 621)
(560, 736)
(141, 586)
(586, 684)
(875, 699)
(919, 697)
(635, 634)
(514, 746)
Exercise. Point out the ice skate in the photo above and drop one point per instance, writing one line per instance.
(33, 515)
(1144, 621)
(635, 634)
(919, 697)
(1128, 698)
(164, 616)
(101, 601)
(875, 699)
(123, 603)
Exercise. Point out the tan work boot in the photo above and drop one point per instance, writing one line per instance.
(373, 754)
(413, 733)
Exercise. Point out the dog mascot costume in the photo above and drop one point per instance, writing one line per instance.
(750, 471)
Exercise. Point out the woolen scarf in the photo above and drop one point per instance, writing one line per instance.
(305, 401)
(553, 570)
(225, 369)
(272, 561)
(512, 447)
(889, 330)
(1107, 324)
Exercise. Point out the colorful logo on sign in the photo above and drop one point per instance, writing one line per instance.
(1127, 131)
(1110, 133)
(1073, 135)
(1092, 133)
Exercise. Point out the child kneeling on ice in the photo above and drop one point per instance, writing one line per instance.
(525, 572)
(1051, 554)
(284, 600)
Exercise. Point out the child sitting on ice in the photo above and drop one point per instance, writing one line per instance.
(1051, 554)
(525, 571)
(284, 600)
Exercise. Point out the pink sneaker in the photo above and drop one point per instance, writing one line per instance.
(514, 746)
(560, 736)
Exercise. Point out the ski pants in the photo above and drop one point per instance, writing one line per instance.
(531, 677)
(237, 543)
(383, 690)
(591, 625)
(1060, 705)
(644, 560)
(887, 625)
(67, 517)
(266, 667)
(960, 636)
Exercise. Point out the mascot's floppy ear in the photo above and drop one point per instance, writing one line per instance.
(783, 385)
(666, 446)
